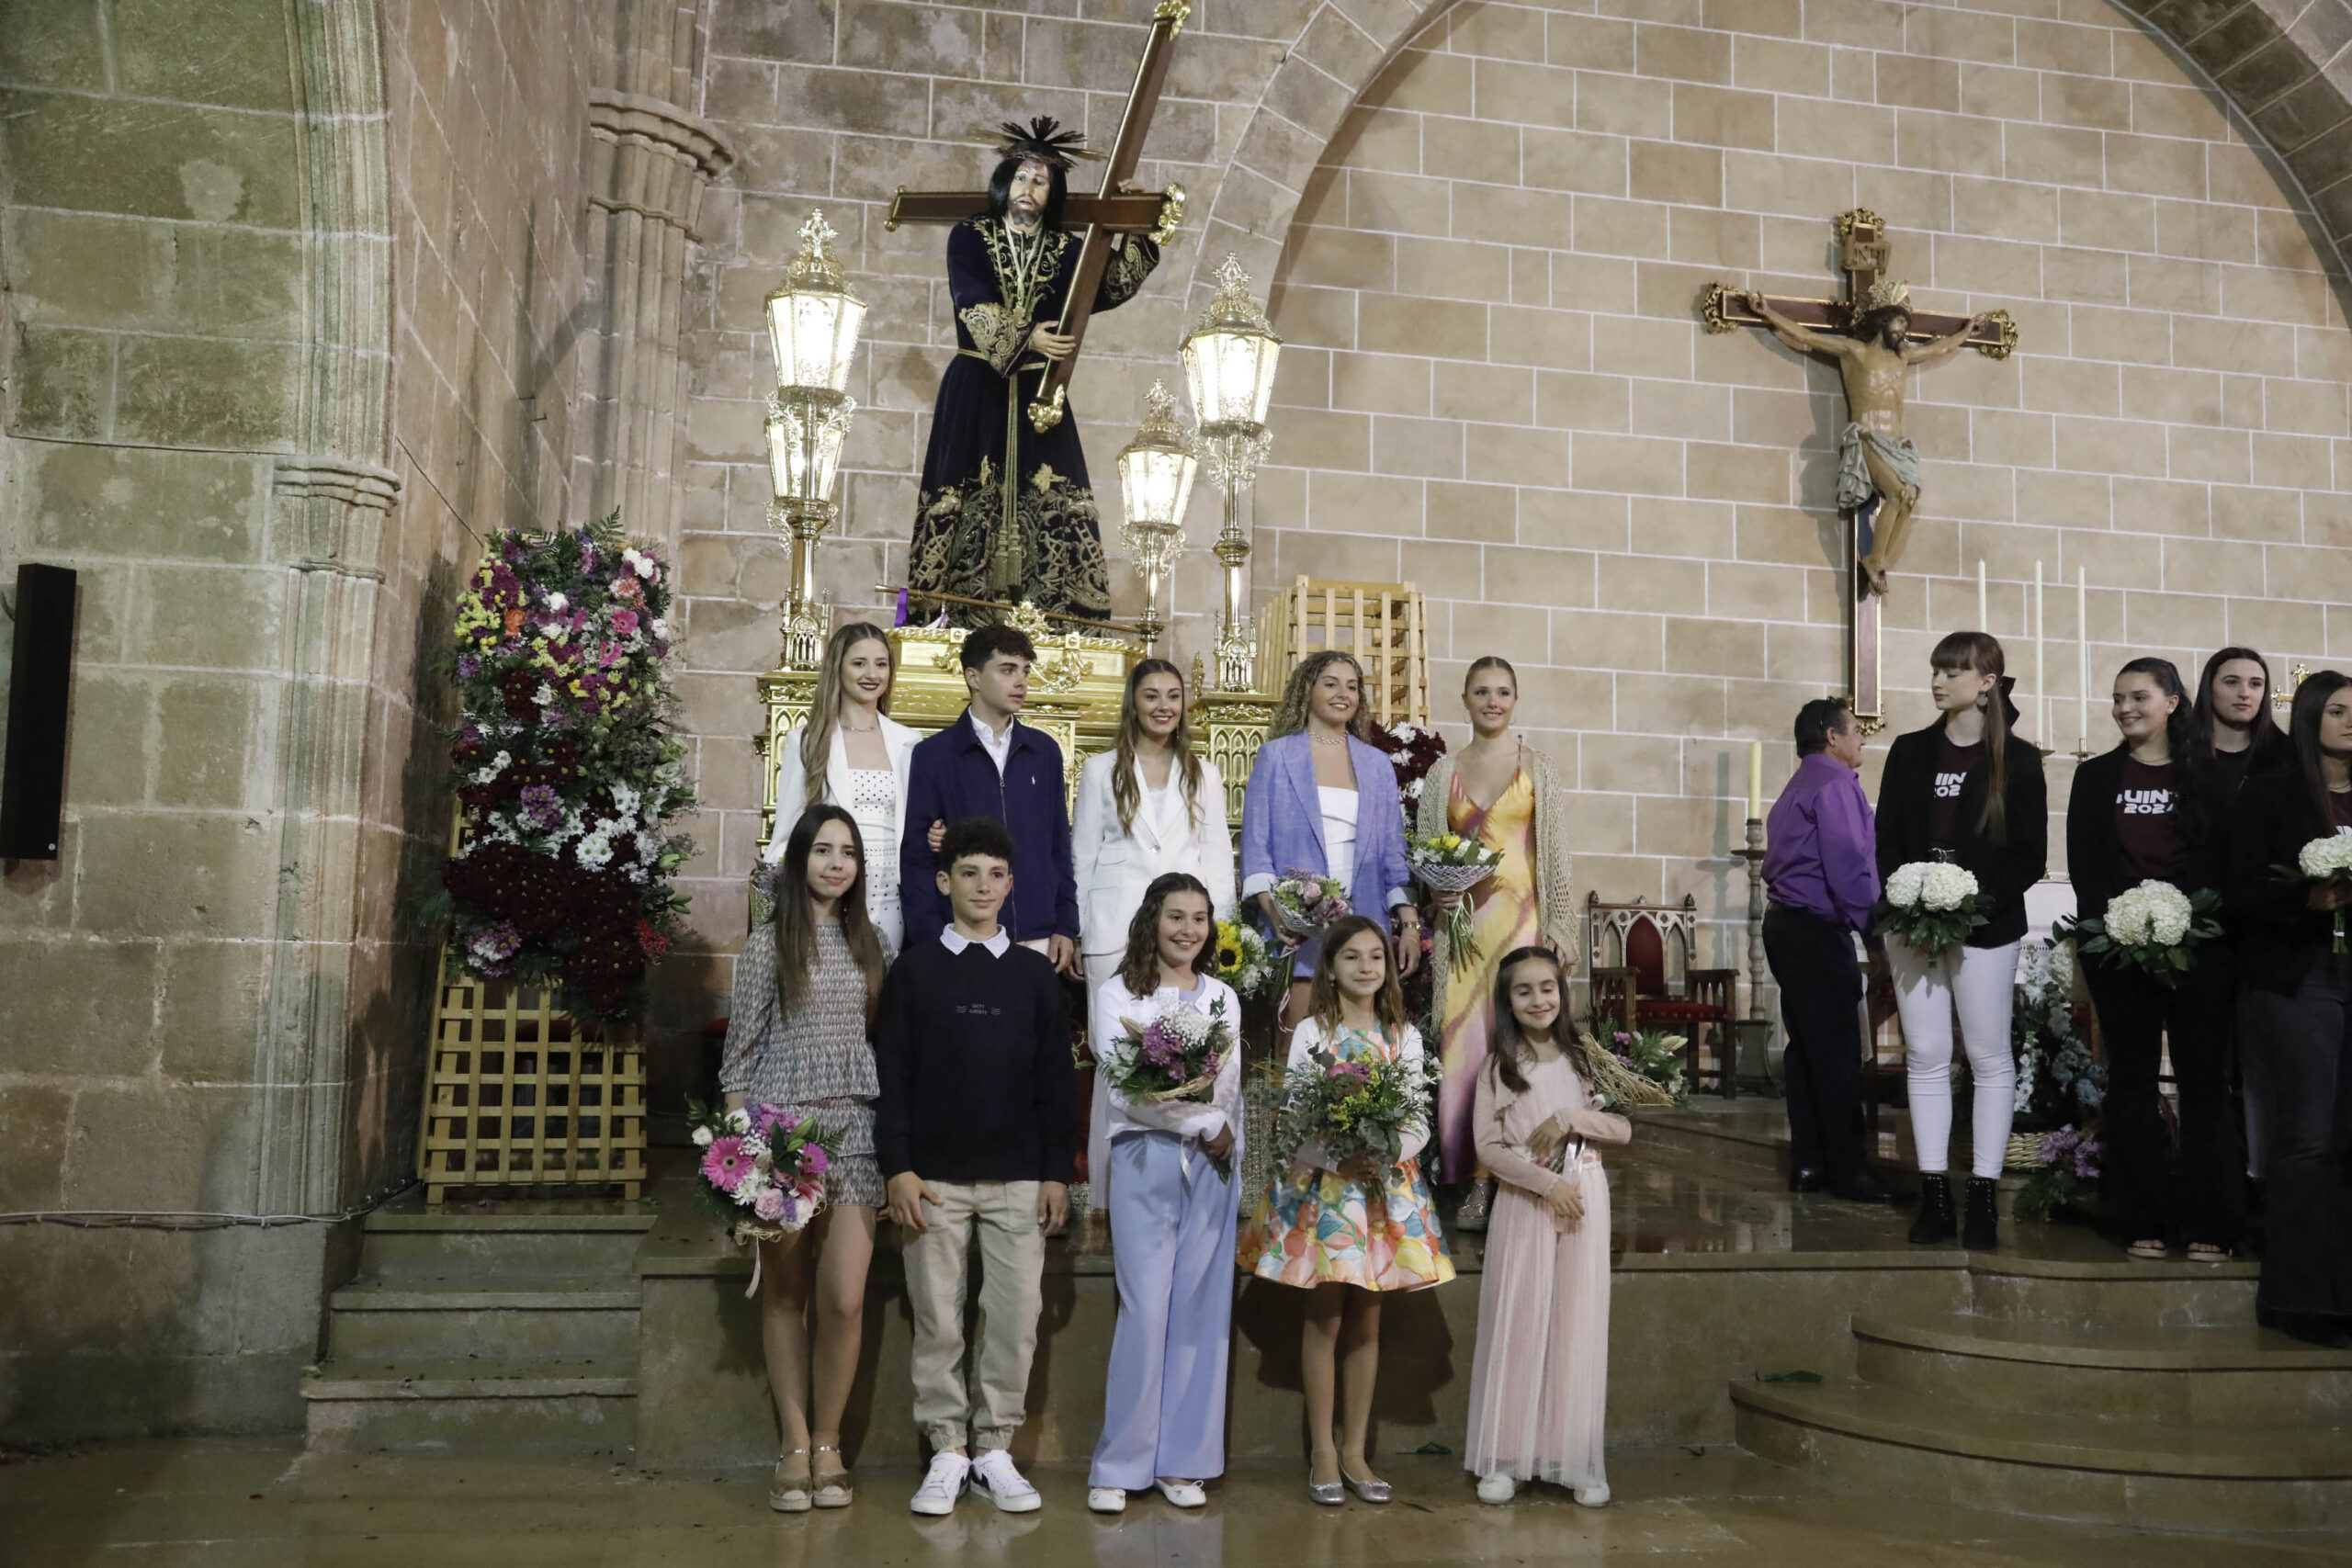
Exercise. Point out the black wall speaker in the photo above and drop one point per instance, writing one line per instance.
(40, 683)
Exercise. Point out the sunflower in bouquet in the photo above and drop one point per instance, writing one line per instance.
(1454, 863)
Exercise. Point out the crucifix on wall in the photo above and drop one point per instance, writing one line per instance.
(1876, 338)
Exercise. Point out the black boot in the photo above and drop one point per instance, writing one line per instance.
(1981, 1230)
(1934, 1226)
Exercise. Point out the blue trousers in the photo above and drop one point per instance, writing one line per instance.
(1172, 1249)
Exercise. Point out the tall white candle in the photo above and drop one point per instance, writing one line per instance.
(1982, 619)
(2082, 657)
(2041, 702)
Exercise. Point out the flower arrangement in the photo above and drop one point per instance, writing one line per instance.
(2067, 1174)
(1412, 752)
(2155, 927)
(1305, 903)
(1175, 1056)
(565, 769)
(2327, 860)
(1640, 1066)
(764, 1174)
(1244, 960)
(2058, 1078)
(1353, 1105)
(1449, 863)
(1931, 905)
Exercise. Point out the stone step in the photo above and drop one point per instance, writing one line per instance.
(471, 1407)
(515, 1239)
(545, 1320)
(1899, 1442)
(2103, 1289)
(2237, 1374)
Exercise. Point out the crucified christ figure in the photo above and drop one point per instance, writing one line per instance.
(1878, 468)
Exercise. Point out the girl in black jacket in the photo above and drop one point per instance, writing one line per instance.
(2151, 809)
(2298, 1017)
(1967, 790)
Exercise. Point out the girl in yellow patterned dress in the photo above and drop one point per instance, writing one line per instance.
(1347, 1231)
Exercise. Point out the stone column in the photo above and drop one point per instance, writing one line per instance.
(650, 162)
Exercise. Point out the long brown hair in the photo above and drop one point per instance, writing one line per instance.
(1981, 652)
(1125, 792)
(1298, 694)
(825, 708)
(1323, 998)
(796, 914)
(2303, 728)
(2264, 740)
(1507, 1048)
(1139, 968)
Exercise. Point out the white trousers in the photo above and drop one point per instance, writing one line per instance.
(1982, 982)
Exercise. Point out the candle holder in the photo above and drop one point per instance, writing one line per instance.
(1756, 1025)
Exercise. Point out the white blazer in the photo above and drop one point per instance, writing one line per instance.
(792, 779)
(1113, 866)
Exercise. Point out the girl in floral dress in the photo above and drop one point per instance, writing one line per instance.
(1348, 1232)
(1540, 1380)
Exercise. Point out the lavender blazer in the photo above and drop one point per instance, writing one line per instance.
(1282, 824)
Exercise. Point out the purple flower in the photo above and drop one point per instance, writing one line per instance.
(624, 622)
(467, 666)
(541, 807)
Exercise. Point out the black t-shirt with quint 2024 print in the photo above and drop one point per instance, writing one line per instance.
(2147, 818)
(1953, 764)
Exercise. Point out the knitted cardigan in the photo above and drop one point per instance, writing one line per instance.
(1554, 912)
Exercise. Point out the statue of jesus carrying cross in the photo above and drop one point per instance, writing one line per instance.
(1878, 468)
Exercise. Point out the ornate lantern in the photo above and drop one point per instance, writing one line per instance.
(1156, 472)
(1230, 359)
(813, 325)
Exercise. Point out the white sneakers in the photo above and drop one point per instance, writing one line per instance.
(993, 1474)
(1107, 1499)
(941, 1485)
(1497, 1488)
(1593, 1497)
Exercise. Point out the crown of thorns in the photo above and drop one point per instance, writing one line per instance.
(1044, 140)
(1886, 291)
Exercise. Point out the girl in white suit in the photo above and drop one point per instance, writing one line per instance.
(1151, 805)
(853, 755)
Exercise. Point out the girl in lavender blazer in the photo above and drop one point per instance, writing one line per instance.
(1292, 811)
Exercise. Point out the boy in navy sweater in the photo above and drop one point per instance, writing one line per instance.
(989, 764)
(975, 1127)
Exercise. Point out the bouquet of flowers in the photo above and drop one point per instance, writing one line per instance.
(1448, 862)
(2058, 1078)
(2326, 859)
(1636, 1067)
(1931, 904)
(764, 1175)
(1244, 961)
(1305, 903)
(566, 769)
(2153, 927)
(1353, 1105)
(1175, 1056)
(2068, 1176)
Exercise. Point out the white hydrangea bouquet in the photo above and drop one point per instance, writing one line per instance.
(2327, 860)
(2155, 927)
(1454, 863)
(1932, 905)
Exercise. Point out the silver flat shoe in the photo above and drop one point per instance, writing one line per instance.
(1331, 1493)
(1370, 1491)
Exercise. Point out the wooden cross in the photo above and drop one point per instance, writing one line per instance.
(1109, 211)
(1864, 254)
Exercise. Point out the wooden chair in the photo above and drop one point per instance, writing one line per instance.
(1637, 990)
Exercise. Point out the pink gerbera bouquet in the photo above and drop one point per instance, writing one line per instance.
(1175, 1056)
(764, 1173)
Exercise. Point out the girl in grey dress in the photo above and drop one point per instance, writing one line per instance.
(805, 983)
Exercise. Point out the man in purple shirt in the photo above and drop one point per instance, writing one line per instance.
(1821, 872)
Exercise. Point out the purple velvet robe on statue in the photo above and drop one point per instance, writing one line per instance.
(984, 461)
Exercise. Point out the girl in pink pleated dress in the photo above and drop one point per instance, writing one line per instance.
(1540, 1382)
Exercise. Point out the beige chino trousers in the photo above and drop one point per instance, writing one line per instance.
(985, 1407)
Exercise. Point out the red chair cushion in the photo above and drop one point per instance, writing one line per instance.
(1645, 956)
(1659, 1011)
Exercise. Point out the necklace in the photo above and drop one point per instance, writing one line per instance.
(1342, 741)
(848, 728)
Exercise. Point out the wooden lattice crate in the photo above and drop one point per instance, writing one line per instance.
(1381, 624)
(521, 1094)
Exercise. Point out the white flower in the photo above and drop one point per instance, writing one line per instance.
(625, 799)
(739, 1120)
(2331, 856)
(1943, 886)
(595, 852)
(660, 628)
(545, 695)
(704, 1137)
(1903, 888)
(558, 602)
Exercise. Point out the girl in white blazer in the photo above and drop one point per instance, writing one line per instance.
(852, 695)
(1118, 846)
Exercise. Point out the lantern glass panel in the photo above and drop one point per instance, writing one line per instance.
(805, 450)
(814, 333)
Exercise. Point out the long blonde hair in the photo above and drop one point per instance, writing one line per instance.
(1298, 695)
(1125, 793)
(825, 710)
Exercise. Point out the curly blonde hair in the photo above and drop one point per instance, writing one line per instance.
(1298, 693)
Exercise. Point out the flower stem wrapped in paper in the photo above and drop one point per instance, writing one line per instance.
(1353, 1106)
(1175, 1056)
(764, 1174)
(1931, 905)
(1305, 904)
(1637, 1068)
(1449, 863)
(2155, 927)
(2326, 860)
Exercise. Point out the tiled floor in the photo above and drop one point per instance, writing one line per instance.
(260, 1504)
